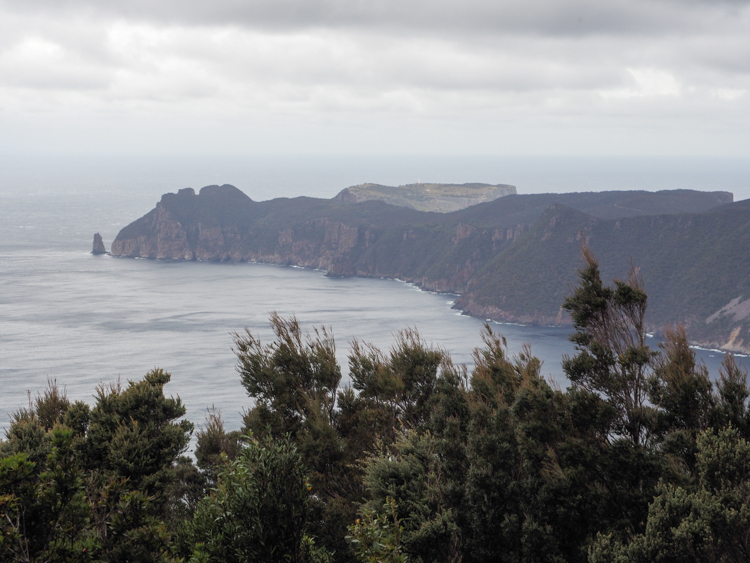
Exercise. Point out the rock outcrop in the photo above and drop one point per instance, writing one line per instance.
(99, 247)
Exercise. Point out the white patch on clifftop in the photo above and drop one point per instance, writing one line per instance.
(739, 309)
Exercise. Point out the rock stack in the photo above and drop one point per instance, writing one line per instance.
(98, 245)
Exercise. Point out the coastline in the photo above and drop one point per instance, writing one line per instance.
(489, 314)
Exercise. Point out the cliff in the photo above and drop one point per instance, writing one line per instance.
(510, 259)
(695, 266)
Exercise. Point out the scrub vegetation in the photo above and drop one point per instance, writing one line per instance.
(640, 458)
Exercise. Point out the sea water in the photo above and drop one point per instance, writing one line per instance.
(82, 320)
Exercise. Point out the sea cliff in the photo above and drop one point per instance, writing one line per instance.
(512, 259)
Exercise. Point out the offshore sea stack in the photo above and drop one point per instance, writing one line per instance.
(98, 245)
(512, 259)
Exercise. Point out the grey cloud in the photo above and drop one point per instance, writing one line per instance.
(404, 67)
(544, 17)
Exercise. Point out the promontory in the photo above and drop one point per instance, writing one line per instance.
(512, 258)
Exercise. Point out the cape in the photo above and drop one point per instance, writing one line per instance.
(512, 259)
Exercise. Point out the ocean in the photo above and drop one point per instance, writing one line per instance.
(82, 320)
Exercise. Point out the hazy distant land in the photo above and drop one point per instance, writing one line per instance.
(442, 198)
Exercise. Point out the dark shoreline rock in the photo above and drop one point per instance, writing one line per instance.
(99, 247)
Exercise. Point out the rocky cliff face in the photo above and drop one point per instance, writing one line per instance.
(174, 231)
(695, 269)
(727, 328)
(508, 260)
(166, 240)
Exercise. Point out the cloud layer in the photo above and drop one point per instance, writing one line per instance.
(621, 77)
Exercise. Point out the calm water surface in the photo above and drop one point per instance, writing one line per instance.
(83, 319)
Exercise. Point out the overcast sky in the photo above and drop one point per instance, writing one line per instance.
(548, 77)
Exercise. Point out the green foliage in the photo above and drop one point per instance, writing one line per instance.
(29, 427)
(494, 465)
(259, 508)
(26, 436)
(294, 382)
(51, 407)
(398, 386)
(288, 378)
(213, 441)
(376, 537)
(44, 515)
(610, 337)
(732, 397)
(409, 474)
(708, 523)
(681, 387)
(186, 488)
(101, 484)
(134, 533)
(133, 433)
(682, 393)
(485, 477)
